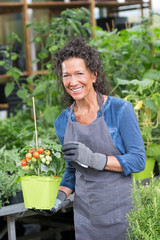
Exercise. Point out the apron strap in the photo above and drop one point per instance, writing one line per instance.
(100, 102)
(71, 110)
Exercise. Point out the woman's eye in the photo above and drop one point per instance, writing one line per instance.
(80, 73)
(65, 76)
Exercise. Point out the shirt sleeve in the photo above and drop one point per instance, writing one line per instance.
(60, 124)
(134, 158)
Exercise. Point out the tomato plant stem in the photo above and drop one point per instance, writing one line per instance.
(35, 123)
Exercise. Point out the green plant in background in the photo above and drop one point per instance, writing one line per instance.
(128, 54)
(8, 172)
(49, 37)
(7, 189)
(8, 63)
(18, 131)
(132, 62)
(144, 218)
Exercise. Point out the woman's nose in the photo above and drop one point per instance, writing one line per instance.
(73, 81)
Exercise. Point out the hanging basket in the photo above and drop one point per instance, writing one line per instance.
(40, 192)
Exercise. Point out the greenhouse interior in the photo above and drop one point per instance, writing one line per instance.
(49, 106)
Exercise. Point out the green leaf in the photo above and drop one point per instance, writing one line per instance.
(150, 103)
(53, 48)
(35, 61)
(143, 84)
(43, 54)
(22, 93)
(14, 56)
(152, 74)
(40, 88)
(37, 39)
(2, 63)
(9, 88)
(153, 151)
(136, 29)
(28, 25)
(51, 113)
(14, 72)
(16, 180)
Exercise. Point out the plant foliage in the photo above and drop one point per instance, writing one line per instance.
(144, 218)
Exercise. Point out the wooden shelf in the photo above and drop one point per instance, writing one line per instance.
(116, 4)
(7, 76)
(4, 105)
(36, 5)
(10, 7)
(25, 74)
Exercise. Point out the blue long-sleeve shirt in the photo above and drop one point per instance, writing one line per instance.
(124, 129)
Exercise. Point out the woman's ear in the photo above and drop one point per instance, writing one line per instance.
(94, 77)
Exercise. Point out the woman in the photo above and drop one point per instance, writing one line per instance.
(102, 146)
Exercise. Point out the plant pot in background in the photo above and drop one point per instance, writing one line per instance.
(18, 198)
(40, 192)
(148, 172)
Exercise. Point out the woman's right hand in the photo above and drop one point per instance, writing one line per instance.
(61, 202)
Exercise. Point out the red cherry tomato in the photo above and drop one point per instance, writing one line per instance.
(36, 154)
(31, 150)
(29, 155)
(40, 150)
(24, 162)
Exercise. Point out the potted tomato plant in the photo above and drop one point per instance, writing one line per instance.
(41, 170)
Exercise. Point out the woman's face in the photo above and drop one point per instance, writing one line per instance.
(77, 79)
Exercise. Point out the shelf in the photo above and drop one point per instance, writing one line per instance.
(25, 74)
(6, 76)
(58, 4)
(10, 7)
(4, 105)
(116, 4)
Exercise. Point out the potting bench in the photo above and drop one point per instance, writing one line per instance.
(16, 211)
(13, 212)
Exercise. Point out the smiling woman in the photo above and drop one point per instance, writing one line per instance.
(102, 146)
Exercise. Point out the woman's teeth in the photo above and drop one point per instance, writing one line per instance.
(76, 90)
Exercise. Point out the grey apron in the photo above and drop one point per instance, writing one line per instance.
(102, 198)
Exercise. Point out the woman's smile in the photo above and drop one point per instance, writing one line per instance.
(77, 79)
(76, 89)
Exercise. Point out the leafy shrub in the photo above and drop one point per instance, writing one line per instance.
(8, 173)
(144, 218)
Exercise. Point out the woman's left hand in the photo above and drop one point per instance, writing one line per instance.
(78, 152)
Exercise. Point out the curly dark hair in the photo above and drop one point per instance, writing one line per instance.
(78, 48)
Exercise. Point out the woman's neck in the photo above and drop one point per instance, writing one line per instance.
(87, 104)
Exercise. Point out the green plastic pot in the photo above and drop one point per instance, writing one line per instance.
(148, 172)
(40, 192)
